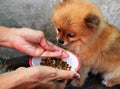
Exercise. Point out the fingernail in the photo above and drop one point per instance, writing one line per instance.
(76, 75)
(65, 55)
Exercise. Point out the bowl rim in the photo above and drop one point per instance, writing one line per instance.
(78, 59)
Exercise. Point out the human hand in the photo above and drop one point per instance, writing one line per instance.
(37, 77)
(33, 43)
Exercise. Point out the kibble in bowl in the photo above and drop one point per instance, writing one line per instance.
(56, 63)
(71, 63)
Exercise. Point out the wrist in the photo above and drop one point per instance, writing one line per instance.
(9, 80)
(5, 36)
(12, 79)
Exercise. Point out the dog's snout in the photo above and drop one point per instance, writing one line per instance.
(61, 41)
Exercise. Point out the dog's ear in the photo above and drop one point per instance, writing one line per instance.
(61, 4)
(92, 21)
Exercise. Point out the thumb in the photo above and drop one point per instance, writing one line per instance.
(62, 74)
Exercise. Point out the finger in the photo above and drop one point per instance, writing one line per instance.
(49, 46)
(61, 74)
(56, 48)
(42, 53)
(54, 54)
(45, 45)
(38, 52)
(64, 74)
(20, 68)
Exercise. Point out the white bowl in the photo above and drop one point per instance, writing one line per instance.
(73, 60)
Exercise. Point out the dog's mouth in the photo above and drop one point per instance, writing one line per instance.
(61, 42)
(65, 44)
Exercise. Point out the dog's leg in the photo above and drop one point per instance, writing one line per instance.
(83, 75)
(112, 78)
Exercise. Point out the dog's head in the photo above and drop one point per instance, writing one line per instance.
(76, 21)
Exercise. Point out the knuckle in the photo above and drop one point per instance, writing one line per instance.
(54, 72)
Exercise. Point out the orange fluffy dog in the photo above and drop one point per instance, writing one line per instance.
(81, 28)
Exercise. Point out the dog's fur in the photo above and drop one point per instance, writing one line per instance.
(81, 28)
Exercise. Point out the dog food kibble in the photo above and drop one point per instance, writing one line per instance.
(56, 63)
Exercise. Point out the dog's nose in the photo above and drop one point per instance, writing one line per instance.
(61, 41)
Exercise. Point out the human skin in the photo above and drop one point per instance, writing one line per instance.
(30, 42)
(33, 43)
(34, 77)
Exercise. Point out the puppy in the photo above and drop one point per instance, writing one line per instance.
(82, 29)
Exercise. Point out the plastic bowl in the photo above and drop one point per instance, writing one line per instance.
(73, 60)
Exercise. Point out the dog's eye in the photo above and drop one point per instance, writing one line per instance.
(70, 35)
(58, 30)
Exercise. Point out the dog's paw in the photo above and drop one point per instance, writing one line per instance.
(109, 83)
